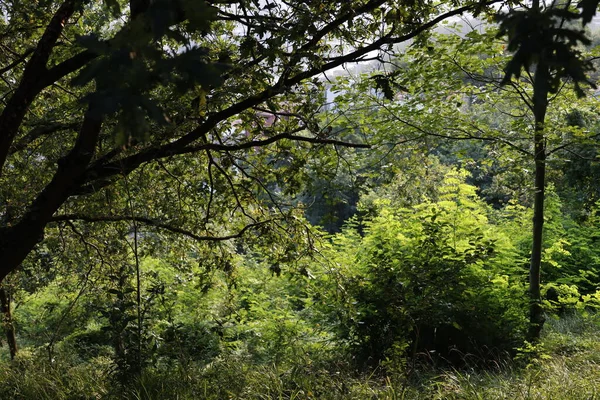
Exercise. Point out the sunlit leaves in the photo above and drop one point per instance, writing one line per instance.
(428, 267)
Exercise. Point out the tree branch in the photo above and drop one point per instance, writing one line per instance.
(22, 236)
(571, 143)
(16, 62)
(100, 172)
(156, 224)
(66, 67)
(29, 87)
(40, 131)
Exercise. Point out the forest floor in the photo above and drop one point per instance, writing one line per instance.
(566, 365)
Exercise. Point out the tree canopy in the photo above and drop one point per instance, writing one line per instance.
(197, 134)
(189, 117)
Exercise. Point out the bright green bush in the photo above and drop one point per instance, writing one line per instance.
(430, 280)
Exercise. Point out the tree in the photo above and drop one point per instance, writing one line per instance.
(152, 113)
(476, 90)
(542, 42)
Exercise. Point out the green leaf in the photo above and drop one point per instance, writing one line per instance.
(114, 7)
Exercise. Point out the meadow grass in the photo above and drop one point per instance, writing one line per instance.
(566, 365)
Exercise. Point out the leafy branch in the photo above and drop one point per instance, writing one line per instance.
(157, 224)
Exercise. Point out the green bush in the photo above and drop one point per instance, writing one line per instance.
(190, 342)
(429, 280)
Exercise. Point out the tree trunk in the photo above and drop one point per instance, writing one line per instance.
(540, 105)
(137, 7)
(7, 322)
(29, 87)
(17, 241)
(536, 317)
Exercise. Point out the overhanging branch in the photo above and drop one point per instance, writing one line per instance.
(18, 61)
(98, 174)
(156, 224)
(29, 87)
(39, 131)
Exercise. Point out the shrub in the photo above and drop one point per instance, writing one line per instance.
(429, 280)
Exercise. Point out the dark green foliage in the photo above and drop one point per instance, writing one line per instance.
(184, 343)
(387, 84)
(122, 327)
(331, 202)
(588, 10)
(132, 65)
(238, 296)
(90, 343)
(536, 35)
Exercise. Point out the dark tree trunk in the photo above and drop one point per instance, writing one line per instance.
(7, 322)
(536, 314)
(137, 7)
(540, 105)
(30, 86)
(17, 241)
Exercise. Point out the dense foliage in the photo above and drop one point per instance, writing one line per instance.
(203, 199)
(434, 278)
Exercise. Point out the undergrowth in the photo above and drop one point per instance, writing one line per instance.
(565, 365)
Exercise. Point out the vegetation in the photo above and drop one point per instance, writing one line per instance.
(203, 200)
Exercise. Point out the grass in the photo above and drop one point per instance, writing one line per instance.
(565, 366)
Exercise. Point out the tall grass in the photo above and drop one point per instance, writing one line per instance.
(565, 366)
